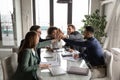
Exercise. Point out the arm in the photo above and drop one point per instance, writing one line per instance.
(41, 40)
(75, 37)
(44, 43)
(77, 43)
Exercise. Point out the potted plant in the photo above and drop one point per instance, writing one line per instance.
(98, 22)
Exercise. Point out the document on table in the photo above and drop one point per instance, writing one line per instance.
(69, 55)
(70, 58)
(53, 61)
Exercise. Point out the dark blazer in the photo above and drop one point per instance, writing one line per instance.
(93, 52)
(27, 67)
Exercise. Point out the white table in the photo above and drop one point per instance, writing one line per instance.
(45, 74)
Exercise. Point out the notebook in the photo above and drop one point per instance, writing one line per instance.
(55, 71)
(78, 70)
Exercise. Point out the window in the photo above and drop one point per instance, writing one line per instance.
(60, 15)
(42, 15)
(80, 8)
(6, 20)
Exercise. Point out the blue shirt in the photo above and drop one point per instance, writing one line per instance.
(93, 52)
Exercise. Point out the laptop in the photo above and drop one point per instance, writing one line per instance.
(55, 71)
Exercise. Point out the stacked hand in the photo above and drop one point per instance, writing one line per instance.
(75, 56)
(59, 35)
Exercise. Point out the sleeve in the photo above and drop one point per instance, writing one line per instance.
(77, 43)
(75, 37)
(44, 43)
(26, 67)
(41, 40)
(83, 55)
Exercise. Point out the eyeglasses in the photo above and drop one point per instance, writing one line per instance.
(39, 32)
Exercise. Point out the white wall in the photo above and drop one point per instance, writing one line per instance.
(27, 16)
(24, 17)
(17, 28)
(95, 4)
(108, 6)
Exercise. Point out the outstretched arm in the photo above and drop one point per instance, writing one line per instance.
(77, 43)
(45, 43)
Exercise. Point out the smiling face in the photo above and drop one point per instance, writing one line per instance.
(70, 29)
(87, 34)
(54, 33)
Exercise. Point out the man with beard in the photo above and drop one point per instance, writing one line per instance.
(93, 54)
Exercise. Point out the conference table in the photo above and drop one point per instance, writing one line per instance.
(64, 63)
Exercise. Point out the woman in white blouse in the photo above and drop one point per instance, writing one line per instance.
(52, 34)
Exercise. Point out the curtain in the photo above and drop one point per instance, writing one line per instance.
(113, 28)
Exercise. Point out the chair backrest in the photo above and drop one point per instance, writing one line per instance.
(109, 61)
(1, 71)
(9, 66)
(15, 49)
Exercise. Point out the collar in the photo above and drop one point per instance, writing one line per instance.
(91, 38)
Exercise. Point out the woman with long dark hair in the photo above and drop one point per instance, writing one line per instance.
(28, 60)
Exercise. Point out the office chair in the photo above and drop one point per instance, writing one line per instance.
(109, 61)
(9, 66)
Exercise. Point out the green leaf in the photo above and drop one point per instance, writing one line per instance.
(98, 22)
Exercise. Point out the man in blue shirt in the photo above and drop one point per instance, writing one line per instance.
(94, 52)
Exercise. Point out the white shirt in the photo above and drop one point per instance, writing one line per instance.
(33, 52)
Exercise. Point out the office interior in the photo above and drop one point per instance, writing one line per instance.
(17, 16)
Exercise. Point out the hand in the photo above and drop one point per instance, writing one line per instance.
(70, 50)
(49, 49)
(44, 66)
(76, 56)
(54, 40)
(59, 34)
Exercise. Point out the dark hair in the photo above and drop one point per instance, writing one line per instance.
(29, 42)
(34, 27)
(89, 28)
(70, 25)
(51, 29)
